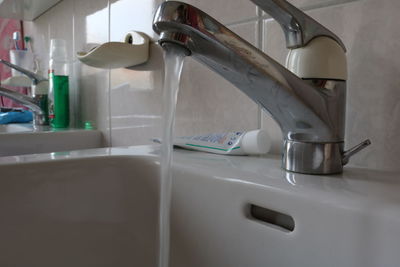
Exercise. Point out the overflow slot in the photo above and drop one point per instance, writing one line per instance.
(282, 221)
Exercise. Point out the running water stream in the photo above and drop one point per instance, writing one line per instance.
(173, 58)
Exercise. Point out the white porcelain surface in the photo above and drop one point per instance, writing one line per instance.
(99, 207)
(21, 139)
(79, 212)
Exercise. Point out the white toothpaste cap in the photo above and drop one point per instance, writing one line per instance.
(256, 142)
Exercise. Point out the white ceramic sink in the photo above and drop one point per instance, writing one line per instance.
(99, 207)
(19, 139)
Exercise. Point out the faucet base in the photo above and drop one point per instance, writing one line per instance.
(41, 118)
(313, 158)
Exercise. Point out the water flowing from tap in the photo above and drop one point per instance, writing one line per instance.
(173, 58)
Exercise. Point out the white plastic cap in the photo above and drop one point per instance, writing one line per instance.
(322, 58)
(256, 142)
(58, 49)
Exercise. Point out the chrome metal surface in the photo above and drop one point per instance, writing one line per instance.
(312, 158)
(29, 102)
(36, 79)
(352, 151)
(37, 100)
(311, 111)
(295, 104)
(299, 28)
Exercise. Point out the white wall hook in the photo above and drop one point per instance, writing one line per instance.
(134, 50)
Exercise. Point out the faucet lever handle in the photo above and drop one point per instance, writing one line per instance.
(349, 153)
(299, 28)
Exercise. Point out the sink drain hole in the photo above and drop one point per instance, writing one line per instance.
(282, 221)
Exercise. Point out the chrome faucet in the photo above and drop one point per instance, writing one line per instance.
(307, 101)
(40, 117)
(38, 102)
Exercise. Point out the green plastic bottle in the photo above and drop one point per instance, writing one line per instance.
(58, 85)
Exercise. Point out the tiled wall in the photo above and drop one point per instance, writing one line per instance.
(126, 104)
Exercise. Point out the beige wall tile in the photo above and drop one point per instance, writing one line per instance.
(134, 15)
(136, 101)
(312, 4)
(307, 5)
(91, 28)
(369, 30)
(39, 31)
(226, 11)
(136, 95)
(208, 103)
(93, 102)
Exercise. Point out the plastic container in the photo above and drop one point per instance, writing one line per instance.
(22, 58)
(58, 84)
(232, 143)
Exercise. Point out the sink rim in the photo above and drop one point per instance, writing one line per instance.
(347, 190)
(12, 128)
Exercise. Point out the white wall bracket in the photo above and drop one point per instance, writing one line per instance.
(134, 50)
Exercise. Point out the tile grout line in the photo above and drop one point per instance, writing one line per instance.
(263, 36)
(331, 3)
(243, 21)
(75, 84)
(109, 81)
(260, 30)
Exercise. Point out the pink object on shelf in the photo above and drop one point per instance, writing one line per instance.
(7, 27)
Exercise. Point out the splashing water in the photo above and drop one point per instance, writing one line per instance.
(173, 58)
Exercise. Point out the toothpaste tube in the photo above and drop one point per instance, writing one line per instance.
(232, 143)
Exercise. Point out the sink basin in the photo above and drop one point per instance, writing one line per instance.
(85, 211)
(99, 207)
(20, 139)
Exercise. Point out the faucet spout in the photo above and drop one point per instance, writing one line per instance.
(27, 101)
(309, 112)
(300, 109)
(36, 78)
(38, 102)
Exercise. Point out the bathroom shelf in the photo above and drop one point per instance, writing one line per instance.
(25, 9)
